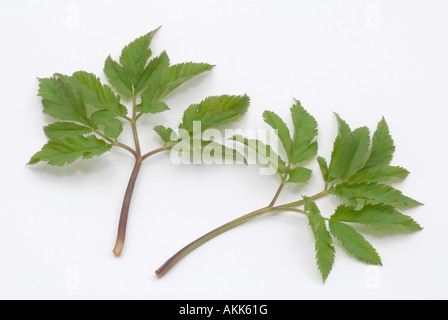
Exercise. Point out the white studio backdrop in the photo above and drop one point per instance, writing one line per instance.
(361, 59)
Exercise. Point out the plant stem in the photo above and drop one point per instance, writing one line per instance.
(134, 126)
(232, 224)
(125, 209)
(122, 225)
(212, 234)
(132, 151)
(116, 143)
(277, 194)
(127, 199)
(137, 143)
(130, 189)
(301, 202)
(153, 152)
(282, 208)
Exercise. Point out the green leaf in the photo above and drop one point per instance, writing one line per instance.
(382, 173)
(354, 192)
(375, 215)
(63, 101)
(153, 107)
(337, 163)
(325, 251)
(208, 151)
(282, 130)
(354, 243)
(323, 168)
(166, 134)
(298, 175)
(264, 153)
(382, 147)
(136, 54)
(112, 126)
(65, 129)
(349, 151)
(101, 97)
(305, 130)
(214, 111)
(97, 94)
(213, 149)
(151, 71)
(356, 150)
(58, 152)
(118, 78)
(171, 78)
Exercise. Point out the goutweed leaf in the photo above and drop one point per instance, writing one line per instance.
(325, 251)
(61, 151)
(354, 243)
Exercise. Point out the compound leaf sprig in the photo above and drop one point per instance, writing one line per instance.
(90, 114)
(359, 174)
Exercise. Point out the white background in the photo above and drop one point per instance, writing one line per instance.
(361, 59)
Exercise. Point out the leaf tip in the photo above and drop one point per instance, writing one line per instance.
(32, 162)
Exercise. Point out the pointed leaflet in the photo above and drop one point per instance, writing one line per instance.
(324, 249)
(97, 94)
(378, 216)
(65, 129)
(166, 134)
(349, 151)
(207, 151)
(215, 152)
(337, 162)
(323, 168)
(354, 243)
(135, 56)
(305, 130)
(381, 193)
(357, 148)
(169, 79)
(155, 107)
(382, 147)
(263, 153)
(59, 152)
(281, 129)
(151, 71)
(118, 78)
(63, 101)
(214, 111)
(112, 126)
(101, 97)
(381, 173)
(298, 175)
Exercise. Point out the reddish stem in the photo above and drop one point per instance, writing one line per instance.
(127, 199)
(125, 208)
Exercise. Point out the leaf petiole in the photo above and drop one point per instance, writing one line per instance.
(153, 152)
(205, 238)
(121, 234)
(301, 202)
(126, 147)
(234, 223)
(277, 194)
(282, 208)
(125, 208)
(134, 126)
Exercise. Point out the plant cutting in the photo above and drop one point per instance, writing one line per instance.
(89, 114)
(359, 174)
